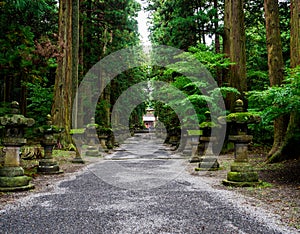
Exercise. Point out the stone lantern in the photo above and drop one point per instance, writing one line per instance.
(77, 136)
(92, 137)
(48, 165)
(191, 145)
(208, 161)
(241, 172)
(12, 176)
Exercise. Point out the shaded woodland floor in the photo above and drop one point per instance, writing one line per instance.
(281, 192)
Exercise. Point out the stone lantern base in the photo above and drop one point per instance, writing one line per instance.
(13, 179)
(208, 162)
(78, 160)
(48, 166)
(195, 154)
(92, 151)
(241, 172)
(242, 175)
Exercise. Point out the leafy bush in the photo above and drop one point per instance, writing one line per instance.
(274, 102)
(40, 100)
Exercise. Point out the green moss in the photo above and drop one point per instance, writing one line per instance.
(17, 181)
(243, 117)
(209, 125)
(92, 125)
(242, 176)
(194, 132)
(77, 131)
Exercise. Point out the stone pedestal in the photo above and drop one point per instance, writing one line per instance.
(208, 161)
(91, 134)
(241, 172)
(183, 141)
(12, 176)
(195, 152)
(192, 141)
(48, 165)
(77, 136)
(103, 140)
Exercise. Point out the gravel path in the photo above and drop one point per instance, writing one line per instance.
(133, 192)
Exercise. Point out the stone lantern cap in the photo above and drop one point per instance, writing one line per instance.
(15, 119)
(14, 124)
(240, 116)
(92, 124)
(208, 123)
(49, 128)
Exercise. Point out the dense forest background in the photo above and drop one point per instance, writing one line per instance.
(252, 49)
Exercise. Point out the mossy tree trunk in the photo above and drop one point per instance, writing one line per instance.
(237, 78)
(217, 42)
(276, 66)
(290, 148)
(66, 70)
(226, 42)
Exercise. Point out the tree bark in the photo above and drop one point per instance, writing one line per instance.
(217, 42)
(64, 84)
(237, 78)
(290, 148)
(75, 56)
(276, 66)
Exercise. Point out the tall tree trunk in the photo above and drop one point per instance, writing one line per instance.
(237, 77)
(226, 39)
(75, 56)
(217, 42)
(64, 84)
(290, 148)
(80, 119)
(295, 33)
(276, 65)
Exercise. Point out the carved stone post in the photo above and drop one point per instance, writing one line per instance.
(48, 165)
(241, 172)
(77, 136)
(208, 161)
(12, 176)
(91, 134)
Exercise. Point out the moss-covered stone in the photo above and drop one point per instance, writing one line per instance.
(250, 176)
(194, 132)
(11, 171)
(17, 181)
(241, 167)
(243, 117)
(209, 125)
(77, 131)
(242, 184)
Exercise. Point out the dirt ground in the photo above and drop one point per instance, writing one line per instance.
(280, 194)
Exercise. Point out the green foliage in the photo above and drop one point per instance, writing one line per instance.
(24, 25)
(211, 60)
(274, 102)
(190, 93)
(4, 108)
(182, 23)
(39, 102)
(278, 100)
(173, 23)
(108, 26)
